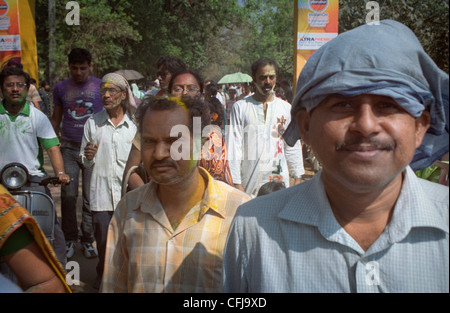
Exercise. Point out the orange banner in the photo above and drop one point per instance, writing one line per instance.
(316, 23)
(10, 46)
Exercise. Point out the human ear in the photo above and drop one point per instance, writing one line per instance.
(302, 118)
(422, 124)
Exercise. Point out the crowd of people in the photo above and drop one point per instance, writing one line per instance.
(194, 187)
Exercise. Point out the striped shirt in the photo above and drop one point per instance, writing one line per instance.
(290, 241)
(145, 254)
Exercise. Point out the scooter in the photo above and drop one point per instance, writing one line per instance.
(23, 187)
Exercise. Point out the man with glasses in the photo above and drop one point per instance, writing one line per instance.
(25, 131)
(106, 143)
(75, 100)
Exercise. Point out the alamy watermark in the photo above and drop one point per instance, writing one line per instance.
(73, 273)
(372, 273)
(373, 17)
(73, 17)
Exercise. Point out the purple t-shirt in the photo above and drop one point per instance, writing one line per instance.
(79, 102)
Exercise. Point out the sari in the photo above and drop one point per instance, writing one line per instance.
(12, 216)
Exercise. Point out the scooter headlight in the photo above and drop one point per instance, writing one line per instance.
(14, 176)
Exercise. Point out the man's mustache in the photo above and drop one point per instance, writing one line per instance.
(165, 162)
(361, 144)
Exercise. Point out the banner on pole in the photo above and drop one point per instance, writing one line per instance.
(316, 23)
(10, 46)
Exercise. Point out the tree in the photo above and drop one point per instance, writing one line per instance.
(270, 33)
(214, 37)
(190, 30)
(429, 20)
(105, 31)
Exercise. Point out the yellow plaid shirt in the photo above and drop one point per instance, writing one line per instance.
(144, 253)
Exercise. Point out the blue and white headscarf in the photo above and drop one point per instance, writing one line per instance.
(385, 59)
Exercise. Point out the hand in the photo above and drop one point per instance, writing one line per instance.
(63, 179)
(90, 150)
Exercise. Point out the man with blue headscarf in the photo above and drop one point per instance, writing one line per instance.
(373, 106)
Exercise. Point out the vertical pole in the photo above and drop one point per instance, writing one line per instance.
(52, 42)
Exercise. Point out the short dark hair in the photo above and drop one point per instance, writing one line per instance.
(196, 108)
(263, 62)
(14, 71)
(186, 71)
(270, 187)
(80, 55)
(171, 64)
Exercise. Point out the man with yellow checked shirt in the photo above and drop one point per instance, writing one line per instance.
(169, 235)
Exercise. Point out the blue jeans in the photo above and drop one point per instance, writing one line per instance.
(69, 193)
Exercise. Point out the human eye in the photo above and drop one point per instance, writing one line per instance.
(342, 105)
(389, 107)
(148, 142)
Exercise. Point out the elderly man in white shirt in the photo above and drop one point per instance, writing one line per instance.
(105, 146)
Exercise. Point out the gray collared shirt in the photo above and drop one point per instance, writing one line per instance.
(290, 241)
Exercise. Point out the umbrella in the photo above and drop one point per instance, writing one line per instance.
(130, 74)
(235, 78)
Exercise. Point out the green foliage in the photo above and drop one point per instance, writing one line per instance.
(214, 37)
(104, 30)
(428, 19)
(431, 173)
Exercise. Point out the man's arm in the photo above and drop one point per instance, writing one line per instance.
(58, 164)
(115, 274)
(134, 180)
(56, 117)
(234, 279)
(234, 146)
(294, 159)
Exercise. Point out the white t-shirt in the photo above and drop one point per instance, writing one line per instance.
(23, 136)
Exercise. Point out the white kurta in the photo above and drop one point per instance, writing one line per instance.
(114, 144)
(256, 149)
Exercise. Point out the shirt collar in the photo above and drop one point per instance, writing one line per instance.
(213, 198)
(104, 118)
(25, 110)
(413, 209)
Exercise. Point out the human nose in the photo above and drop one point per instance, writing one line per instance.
(365, 121)
(162, 151)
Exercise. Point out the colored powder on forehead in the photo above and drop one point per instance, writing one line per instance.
(269, 73)
(178, 101)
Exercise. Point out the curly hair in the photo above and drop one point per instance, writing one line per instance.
(196, 108)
